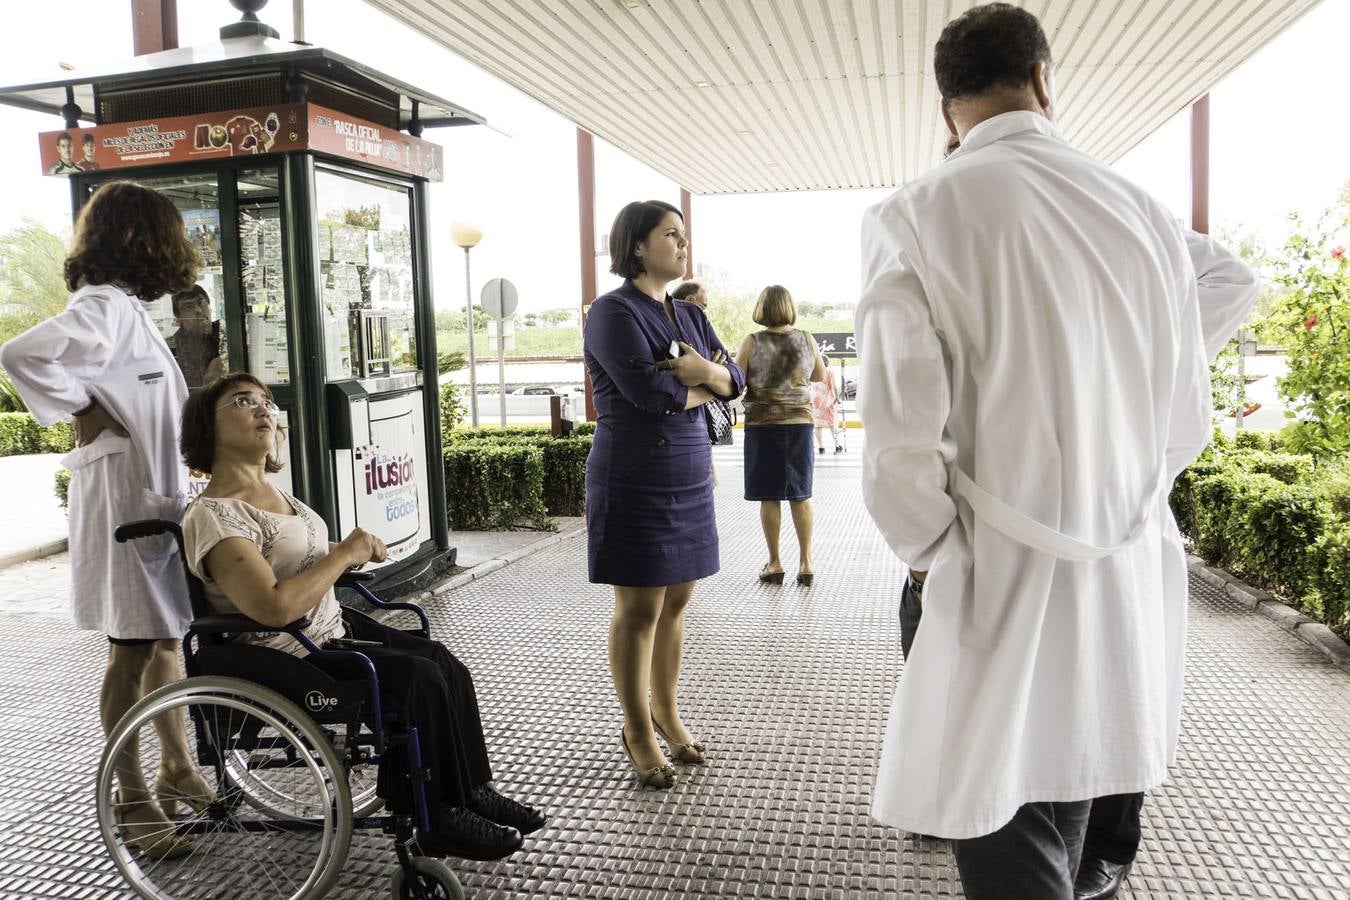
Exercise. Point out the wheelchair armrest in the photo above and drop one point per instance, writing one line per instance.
(238, 623)
(424, 630)
(351, 577)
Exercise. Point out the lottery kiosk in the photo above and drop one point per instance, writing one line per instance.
(302, 177)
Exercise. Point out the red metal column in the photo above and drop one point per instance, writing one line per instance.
(1200, 165)
(686, 210)
(154, 25)
(586, 207)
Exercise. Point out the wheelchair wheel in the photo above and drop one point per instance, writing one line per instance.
(431, 880)
(270, 784)
(223, 847)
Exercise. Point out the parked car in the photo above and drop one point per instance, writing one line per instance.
(534, 390)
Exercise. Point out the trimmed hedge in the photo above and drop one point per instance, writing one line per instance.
(1278, 519)
(494, 485)
(508, 477)
(21, 434)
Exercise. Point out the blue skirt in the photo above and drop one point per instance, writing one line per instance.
(779, 462)
(650, 518)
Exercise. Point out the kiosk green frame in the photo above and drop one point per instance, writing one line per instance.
(302, 177)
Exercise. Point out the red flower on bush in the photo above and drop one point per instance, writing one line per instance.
(1310, 323)
(1338, 253)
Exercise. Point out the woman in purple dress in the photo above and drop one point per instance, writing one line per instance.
(650, 520)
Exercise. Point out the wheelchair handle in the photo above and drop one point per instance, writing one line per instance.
(148, 528)
(352, 576)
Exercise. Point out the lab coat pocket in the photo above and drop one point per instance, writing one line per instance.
(157, 506)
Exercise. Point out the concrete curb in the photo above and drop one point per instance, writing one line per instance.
(489, 566)
(28, 554)
(1311, 632)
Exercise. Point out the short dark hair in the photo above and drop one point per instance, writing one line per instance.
(196, 292)
(65, 136)
(631, 227)
(198, 438)
(88, 139)
(132, 236)
(686, 290)
(996, 45)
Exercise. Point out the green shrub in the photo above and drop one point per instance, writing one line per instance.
(452, 408)
(19, 433)
(584, 428)
(63, 487)
(1220, 500)
(1287, 467)
(494, 486)
(1274, 533)
(59, 438)
(565, 475)
(1331, 576)
(564, 483)
(1182, 497)
(1247, 439)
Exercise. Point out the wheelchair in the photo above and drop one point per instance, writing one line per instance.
(291, 752)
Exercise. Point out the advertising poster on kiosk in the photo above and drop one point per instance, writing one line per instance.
(390, 476)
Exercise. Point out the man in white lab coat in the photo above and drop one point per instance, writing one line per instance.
(1034, 377)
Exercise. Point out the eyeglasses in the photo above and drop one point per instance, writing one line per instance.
(244, 401)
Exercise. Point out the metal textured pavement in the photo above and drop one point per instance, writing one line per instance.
(789, 687)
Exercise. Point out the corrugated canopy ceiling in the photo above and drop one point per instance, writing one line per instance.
(734, 96)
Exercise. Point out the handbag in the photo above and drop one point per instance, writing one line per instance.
(718, 415)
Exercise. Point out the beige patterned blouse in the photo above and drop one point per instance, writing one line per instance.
(290, 544)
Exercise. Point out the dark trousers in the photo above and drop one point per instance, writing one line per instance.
(1113, 830)
(424, 685)
(1033, 857)
(911, 610)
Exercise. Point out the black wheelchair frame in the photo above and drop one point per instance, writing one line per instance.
(208, 649)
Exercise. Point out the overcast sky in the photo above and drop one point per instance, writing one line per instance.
(1279, 132)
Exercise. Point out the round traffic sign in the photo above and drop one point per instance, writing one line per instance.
(499, 298)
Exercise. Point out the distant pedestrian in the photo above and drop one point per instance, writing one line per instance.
(103, 364)
(780, 363)
(650, 519)
(693, 292)
(825, 407)
(1049, 668)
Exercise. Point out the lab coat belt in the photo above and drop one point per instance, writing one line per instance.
(1027, 531)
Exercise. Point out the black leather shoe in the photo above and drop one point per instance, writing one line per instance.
(504, 811)
(1099, 879)
(463, 833)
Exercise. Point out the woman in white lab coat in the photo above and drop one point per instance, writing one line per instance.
(103, 363)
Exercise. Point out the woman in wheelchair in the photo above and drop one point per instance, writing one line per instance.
(261, 552)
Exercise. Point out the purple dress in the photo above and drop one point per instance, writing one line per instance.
(649, 502)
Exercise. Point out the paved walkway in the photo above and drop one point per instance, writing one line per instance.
(790, 688)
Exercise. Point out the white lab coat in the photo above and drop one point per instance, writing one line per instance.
(1032, 344)
(105, 347)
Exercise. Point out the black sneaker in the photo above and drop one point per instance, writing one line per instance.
(504, 811)
(463, 833)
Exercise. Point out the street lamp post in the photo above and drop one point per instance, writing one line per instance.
(467, 236)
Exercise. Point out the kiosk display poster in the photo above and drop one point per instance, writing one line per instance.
(390, 476)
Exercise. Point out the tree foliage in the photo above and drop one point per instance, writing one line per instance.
(1312, 321)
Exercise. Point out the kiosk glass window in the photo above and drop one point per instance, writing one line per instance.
(262, 279)
(193, 322)
(366, 270)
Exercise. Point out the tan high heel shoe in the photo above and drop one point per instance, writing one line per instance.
(691, 752)
(152, 840)
(173, 788)
(657, 776)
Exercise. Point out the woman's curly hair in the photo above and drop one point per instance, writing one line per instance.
(132, 236)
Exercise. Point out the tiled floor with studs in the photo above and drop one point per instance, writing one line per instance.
(789, 687)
